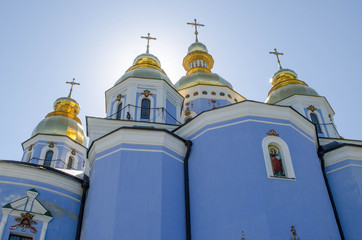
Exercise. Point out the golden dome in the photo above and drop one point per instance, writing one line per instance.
(63, 121)
(145, 65)
(286, 84)
(198, 64)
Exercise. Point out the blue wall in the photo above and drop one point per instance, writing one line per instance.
(135, 195)
(346, 186)
(65, 210)
(230, 190)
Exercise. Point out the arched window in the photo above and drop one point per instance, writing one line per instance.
(48, 158)
(276, 161)
(119, 111)
(315, 120)
(277, 158)
(70, 163)
(145, 108)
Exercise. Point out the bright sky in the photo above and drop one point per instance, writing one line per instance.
(46, 43)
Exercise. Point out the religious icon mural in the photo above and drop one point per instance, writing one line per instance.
(276, 161)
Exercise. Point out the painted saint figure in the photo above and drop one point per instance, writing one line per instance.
(276, 161)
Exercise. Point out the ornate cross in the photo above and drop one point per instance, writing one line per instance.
(71, 88)
(196, 24)
(148, 41)
(276, 53)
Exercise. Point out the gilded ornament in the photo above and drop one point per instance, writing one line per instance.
(187, 112)
(51, 144)
(119, 97)
(294, 233)
(312, 108)
(25, 221)
(272, 133)
(146, 93)
(242, 235)
(73, 152)
(31, 147)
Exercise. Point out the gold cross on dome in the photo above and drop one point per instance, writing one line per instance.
(276, 53)
(196, 24)
(148, 41)
(71, 88)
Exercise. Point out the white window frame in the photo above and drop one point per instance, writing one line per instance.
(44, 151)
(75, 160)
(139, 108)
(285, 154)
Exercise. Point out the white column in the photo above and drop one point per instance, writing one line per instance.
(6, 212)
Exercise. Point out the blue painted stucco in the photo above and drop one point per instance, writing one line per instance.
(135, 194)
(202, 104)
(171, 113)
(345, 181)
(61, 147)
(64, 209)
(230, 189)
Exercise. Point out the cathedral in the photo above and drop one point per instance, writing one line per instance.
(190, 160)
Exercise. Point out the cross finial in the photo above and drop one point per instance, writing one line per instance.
(196, 24)
(71, 88)
(148, 41)
(276, 53)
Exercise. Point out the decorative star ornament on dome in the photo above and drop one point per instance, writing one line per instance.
(196, 24)
(148, 37)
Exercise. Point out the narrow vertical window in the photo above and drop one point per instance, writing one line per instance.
(70, 163)
(48, 158)
(315, 120)
(29, 158)
(276, 161)
(145, 108)
(119, 111)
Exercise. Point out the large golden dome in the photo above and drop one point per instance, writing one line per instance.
(285, 84)
(63, 121)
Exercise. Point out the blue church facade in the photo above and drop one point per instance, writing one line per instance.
(191, 160)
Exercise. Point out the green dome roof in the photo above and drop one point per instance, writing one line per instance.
(201, 78)
(144, 73)
(197, 46)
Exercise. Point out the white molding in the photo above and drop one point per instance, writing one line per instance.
(341, 154)
(250, 109)
(54, 138)
(137, 137)
(284, 151)
(98, 127)
(42, 176)
(6, 212)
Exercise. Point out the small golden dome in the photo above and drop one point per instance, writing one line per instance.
(197, 59)
(286, 84)
(63, 121)
(145, 65)
(146, 60)
(197, 46)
